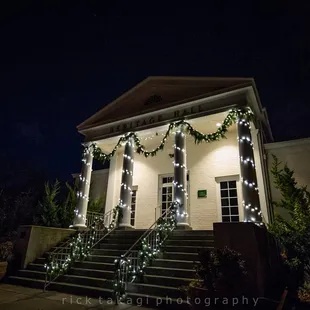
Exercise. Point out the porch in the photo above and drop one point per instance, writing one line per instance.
(205, 178)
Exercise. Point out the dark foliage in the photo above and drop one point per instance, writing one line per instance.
(221, 270)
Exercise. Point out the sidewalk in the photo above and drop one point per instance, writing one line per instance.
(23, 298)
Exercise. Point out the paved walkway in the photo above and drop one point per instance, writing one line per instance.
(23, 298)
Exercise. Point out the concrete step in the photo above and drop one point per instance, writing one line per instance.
(95, 265)
(32, 274)
(191, 257)
(64, 287)
(75, 275)
(158, 290)
(98, 258)
(168, 281)
(36, 267)
(82, 280)
(119, 240)
(132, 232)
(63, 248)
(105, 258)
(191, 237)
(115, 246)
(185, 248)
(41, 260)
(64, 251)
(93, 273)
(108, 252)
(173, 263)
(197, 243)
(177, 232)
(170, 272)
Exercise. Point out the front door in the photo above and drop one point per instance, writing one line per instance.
(166, 194)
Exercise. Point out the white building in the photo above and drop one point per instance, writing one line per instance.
(222, 182)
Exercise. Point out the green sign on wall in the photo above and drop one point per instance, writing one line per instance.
(202, 193)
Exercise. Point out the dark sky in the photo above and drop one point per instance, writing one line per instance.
(60, 63)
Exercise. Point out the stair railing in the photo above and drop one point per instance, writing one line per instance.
(92, 217)
(131, 265)
(78, 247)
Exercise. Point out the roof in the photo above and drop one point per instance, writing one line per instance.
(289, 143)
(158, 92)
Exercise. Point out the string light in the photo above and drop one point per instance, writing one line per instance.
(127, 171)
(199, 137)
(252, 212)
(80, 245)
(148, 249)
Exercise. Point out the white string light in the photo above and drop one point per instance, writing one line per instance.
(247, 160)
(253, 213)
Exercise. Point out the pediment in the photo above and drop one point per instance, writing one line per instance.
(155, 93)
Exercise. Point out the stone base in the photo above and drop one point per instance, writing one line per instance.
(183, 227)
(125, 228)
(33, 241)
(81, 228)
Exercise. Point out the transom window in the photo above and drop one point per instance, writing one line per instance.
(229, 201)
(167, 180)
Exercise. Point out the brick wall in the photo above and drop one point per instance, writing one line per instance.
(206, 162)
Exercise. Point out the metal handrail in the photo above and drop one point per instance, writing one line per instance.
(77, 248)
(131, 265)
(91, 217)
(158, 214)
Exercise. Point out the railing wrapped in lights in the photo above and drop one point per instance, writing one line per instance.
(131, 265)
(93, 217)
(78, 247)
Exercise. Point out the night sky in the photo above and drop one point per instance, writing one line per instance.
(60, 63)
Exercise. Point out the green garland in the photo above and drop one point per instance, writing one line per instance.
(79, 249)
(146, 254)
(199, 137)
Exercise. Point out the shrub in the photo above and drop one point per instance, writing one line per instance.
(292, 233)
(304, 293)
(6, 249)
(220, 270)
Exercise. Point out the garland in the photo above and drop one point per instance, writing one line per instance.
(79, 249)
(146, 253)
(199, 137)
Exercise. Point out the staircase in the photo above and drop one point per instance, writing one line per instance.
(91, 277)
(163, 281)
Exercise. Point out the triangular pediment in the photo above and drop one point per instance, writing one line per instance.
(155, 93)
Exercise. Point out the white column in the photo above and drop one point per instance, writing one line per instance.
(261, 181)
(111, 199)
(83, 193)
(180, 177)
(126, 185)
(252, 210)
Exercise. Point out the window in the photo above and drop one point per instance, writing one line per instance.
(166, 197)
(229, 201)
(133, 207)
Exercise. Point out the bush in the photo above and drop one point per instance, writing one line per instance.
(293, 233)
(304, 293)
(6, 250)
(220, 270)
(56, 209)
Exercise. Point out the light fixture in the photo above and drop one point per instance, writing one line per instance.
(218, 124)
